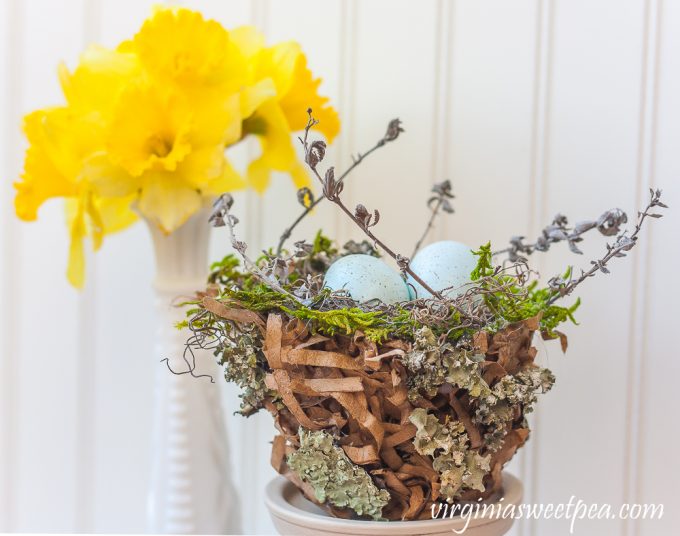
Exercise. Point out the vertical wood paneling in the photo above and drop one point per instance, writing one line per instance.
(491, 120)
(46, 382)
(442, 98)
(638, 324)
(390, 74)
(591, 148)
(493, 114)
(10, 89)
(296, 20)
(542, 85)
(347, 83)
(87, 352)
(656, 461)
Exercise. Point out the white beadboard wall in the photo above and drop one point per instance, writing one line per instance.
(530, 107)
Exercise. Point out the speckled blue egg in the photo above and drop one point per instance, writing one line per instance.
(366, 278)
(442, 265)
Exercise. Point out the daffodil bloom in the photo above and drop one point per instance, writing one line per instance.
(145, 126)
(54, 167)
(274, 121)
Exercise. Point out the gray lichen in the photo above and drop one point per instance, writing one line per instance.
(460, 468)
(498, 407)
(242, 359)
(334, 478)
(432, 364)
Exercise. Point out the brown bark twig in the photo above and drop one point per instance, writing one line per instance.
(622, 244)
(314, 153)
(308, 209)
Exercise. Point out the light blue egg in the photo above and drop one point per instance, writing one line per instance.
(442, 265)
(366, 278)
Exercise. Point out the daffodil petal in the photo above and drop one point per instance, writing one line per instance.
(300, 175)
(255, 95)
(75, 271)
(115, 212)
(259, 174)
(178, 46)
(150, 129)
(229, 180)
(106, 178)
(277, 140)
(278, 63)
(167, 201)
(304, 94)
(42, 177)
(96, 223)
(248, 39)
(217, 121)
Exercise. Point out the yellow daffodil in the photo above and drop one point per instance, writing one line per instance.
(54, 167)
(274, 121)
(145, 126)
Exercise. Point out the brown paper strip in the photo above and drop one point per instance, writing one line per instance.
(361, 455)
(319, 358)
(242, 316)
(406, 433)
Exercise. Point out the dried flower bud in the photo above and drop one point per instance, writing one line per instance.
(555, 233)
(402, 262)
(315, 153)
(303, 248)
(393, 130)
(239, 246)
(443, 189)
(610, 222)
(365, 218)
(221, 207)
(574, 248)
(542, 244)
(364, 248)
(625, 243)
(305, 197)
(560, 220)
(331, 188)
(583, 226)
(216, 220)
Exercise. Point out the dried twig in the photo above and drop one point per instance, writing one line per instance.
(622, 244)
(306, 197)
(221, 217)
(608, 224)
(332, 188)
(439, 201)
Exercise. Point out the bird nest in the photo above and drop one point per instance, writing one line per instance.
(367, 428)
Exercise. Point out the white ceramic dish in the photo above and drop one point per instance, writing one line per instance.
(294, 515)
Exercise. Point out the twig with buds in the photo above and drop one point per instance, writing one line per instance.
(558, 231)
(305, 196)
(221, 217)
(609, 226)
(362, 217)
(439, 201)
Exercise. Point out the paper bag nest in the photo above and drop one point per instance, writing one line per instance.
(384, 430)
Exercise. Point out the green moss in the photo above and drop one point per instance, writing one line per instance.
(225, 271)
(516, 303)
(323, 244)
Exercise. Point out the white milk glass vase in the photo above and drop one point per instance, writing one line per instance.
(190, 488)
